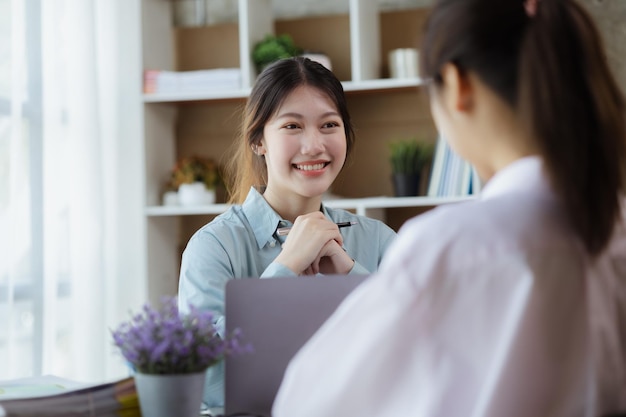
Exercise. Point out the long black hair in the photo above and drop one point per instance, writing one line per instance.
(548, 64)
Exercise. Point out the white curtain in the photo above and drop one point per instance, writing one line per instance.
(68, 276)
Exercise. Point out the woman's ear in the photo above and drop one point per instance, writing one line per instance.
(458, 92)
(259, 148)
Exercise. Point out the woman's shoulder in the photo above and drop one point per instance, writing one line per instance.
(495, 225)
(226, 223)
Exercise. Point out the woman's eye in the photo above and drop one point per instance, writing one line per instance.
(290, 126)
(330, 124)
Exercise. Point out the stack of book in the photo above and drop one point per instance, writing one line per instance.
(451, 175)
(186, 82)
(50, 396)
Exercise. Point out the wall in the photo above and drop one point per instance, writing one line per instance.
(610, 16)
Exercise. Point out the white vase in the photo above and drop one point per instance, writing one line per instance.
(189, 13)
(195, 194)
(177, 395)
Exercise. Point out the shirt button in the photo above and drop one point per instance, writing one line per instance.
(272, 244)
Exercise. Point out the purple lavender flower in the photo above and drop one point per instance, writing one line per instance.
(163, 341)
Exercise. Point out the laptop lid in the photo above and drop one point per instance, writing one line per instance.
(277, 316)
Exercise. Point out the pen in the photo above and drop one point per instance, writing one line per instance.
(283, 231)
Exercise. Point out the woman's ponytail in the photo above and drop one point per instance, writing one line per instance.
(570, 102)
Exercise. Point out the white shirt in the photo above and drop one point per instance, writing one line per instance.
(486, 308)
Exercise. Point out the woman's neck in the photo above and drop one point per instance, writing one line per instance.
(291, 206)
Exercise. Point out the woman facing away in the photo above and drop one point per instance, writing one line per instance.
(513, 304)
(296, 136)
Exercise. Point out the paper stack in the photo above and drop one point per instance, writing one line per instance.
(191, 82)
(50, 396)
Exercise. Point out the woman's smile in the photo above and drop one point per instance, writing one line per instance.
(311, 168)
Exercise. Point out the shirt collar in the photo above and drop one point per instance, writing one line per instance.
(262, 218)
(523, 174)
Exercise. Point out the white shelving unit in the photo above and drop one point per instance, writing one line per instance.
(348, 86)
(362, 206)
(161, 112)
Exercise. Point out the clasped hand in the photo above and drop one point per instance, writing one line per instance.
(314, 245)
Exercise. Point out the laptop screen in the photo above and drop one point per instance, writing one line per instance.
(277, 316)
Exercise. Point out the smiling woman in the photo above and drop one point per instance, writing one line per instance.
(295, 140)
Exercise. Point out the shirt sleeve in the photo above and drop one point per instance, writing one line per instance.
(205, 270)
(358, 269)
(276, 269)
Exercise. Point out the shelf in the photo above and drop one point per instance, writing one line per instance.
(380, 84)
(153, 211)
(393, 202)
(348, 86)
(360, 205)
(217, 95)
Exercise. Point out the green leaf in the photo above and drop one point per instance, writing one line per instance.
(409, 156)
(273, 48)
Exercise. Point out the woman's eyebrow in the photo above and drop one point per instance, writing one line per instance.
(300, 116)
(290, 115)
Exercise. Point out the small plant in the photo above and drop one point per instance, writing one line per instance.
(273, 48)
(409, 156)
(195, 169)
(162, 341)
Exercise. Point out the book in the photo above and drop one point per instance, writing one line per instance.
(437, 167)
(50, 396)
(451, 175)
(186, 82)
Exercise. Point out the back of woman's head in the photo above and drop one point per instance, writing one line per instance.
(545, 59)
(271, 88)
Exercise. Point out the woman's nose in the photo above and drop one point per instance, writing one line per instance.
(312, 143)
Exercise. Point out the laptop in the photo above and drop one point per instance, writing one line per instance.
(277, 316)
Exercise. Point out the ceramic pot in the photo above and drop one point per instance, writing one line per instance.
(195, 194)
(177, 395)
(406, 185)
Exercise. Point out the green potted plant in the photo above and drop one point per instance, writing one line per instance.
(408, 158)
(273, 48)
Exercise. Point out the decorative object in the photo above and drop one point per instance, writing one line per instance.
(189, 13)
(170, 395)
(195, 180)
(408, 159)
(273, 48)
(403, 63)
(195, 194)
(170, 352)
(170, 198)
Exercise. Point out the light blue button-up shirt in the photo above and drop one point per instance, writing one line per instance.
(242, 243)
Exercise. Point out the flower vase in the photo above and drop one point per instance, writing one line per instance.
(195, 194)
(163, 395)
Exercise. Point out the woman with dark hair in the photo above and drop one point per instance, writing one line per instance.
(513, 304)
(295, 139)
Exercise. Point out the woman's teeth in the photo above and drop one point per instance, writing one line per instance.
(310, 167)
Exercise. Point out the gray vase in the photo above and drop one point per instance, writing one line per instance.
(405, 185)
(177, 395)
